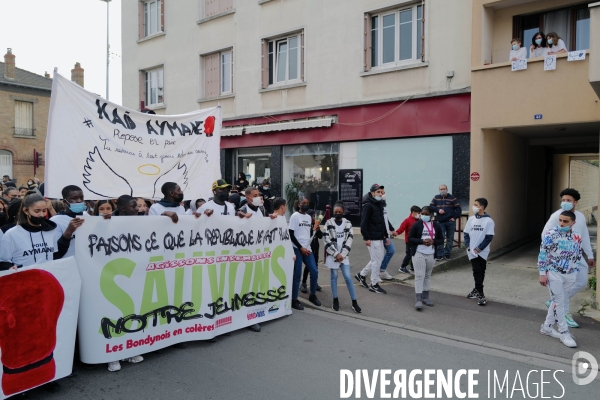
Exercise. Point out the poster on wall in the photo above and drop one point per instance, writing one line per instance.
(38, 321)
(351, 192)
(152, 284)
(109, 150)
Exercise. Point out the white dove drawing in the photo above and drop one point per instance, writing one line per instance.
(96, 169)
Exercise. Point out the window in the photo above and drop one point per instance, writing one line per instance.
(151, 17)
(215, 7)
(153, 85)
(23, 118)
(395, 37)
(6, 163)
(283, 60)
(572, 24)
(218, 74)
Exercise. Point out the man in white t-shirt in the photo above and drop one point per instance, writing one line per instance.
(254, 204)
(569, 199)
(170, 206)
(478, 233)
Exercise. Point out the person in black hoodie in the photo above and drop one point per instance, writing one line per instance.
(170, 206)
(265, 191)
(424, 235)
(317, 234)
(13, 210)
(375, 233)
(241, 183)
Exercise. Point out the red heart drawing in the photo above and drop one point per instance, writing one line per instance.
(209, 126)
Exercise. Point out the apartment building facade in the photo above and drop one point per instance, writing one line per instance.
(308, 88)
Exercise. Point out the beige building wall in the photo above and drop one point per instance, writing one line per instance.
(334, 48)
(584, 178)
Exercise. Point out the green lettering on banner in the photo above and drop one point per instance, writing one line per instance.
(261, 274)
(278, 271)
(155, 279)
(179, 278)
(248, 272)
(217, 286)
(197, 284)
(113, 293)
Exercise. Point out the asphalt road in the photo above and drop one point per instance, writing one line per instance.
(300, 357)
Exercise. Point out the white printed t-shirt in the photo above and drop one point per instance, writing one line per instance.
(217, 208)
(427, 249)
(158, 209)
(340, 235)
(301, 224)
(478, 229)
(25, 248)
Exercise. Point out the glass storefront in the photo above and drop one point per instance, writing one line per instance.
(311, 170)
(255, 163)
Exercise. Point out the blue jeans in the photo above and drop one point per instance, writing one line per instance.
(309, 261)
(345, 268)
(390, 250)
(448, 229)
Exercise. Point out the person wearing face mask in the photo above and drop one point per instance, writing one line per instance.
(539, 47)
(254, 204)
(338, 244)
(75, 209)
(35, 240)
(300, 228)
(415, 215)
(375, 234)
(478, 233)
(517, 52)
(170, 206)
(265, 191)
(558, 262)
(220, 204)
(569, 199)
(555, 44)
(448, 211)
(423, 237)
(390, 249)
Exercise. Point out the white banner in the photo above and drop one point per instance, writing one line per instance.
(148, 283)
(109, 150)
(38, 320)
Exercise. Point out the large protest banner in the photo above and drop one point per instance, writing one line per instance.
(109, 150)
(148, 283)
(38, 320)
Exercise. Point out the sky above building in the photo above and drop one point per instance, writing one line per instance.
(47, 34)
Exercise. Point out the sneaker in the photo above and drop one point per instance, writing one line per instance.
(336, 305)
(377, 289)
(438, 259)
(412, 269)
(548, 303)
(51, 387)
(319, 288)
(570, 321)
(114, 366)
(482, 300)
(313, 299)
(403, 270)
(362, 280)
(303, 288)
(296, 305)
(385, 276)
(254, 328)
(549, 330)
(473, 295)
(135, 359)
(447, 257)
(355, 307)
(567, 340)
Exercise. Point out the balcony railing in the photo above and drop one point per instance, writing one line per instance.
(24, 132)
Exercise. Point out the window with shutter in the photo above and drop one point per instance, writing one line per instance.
(283, 60)
(153, 21)
(215, 7)
(154, 86)
(23, 118)
(218, 74)
(211, 75)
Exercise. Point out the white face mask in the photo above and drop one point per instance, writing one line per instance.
(383, 197)
(257, 202)
(418, 216)
(476, 209)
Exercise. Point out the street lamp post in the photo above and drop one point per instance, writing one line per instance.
(107, 45)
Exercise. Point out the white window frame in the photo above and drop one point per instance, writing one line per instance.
(148, 81)
(416, 57)
(275, 65)
(147, 18)
(221, 71)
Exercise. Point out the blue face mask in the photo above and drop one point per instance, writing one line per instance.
(565, 205)
(425, 218)
(378, 198)
(77, 207)
(538, 41)
(550, 41)
(565, 228)
(515, 47)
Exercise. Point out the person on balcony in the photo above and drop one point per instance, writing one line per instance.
(555, 44)
(517, 52)
(539, 46)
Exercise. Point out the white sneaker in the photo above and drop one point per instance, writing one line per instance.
(135, 360)
(385, 276)
(549, 330)
(567, 339)
(114, 366)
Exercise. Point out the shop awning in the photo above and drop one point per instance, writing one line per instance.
(237, 131)
(287, 126)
